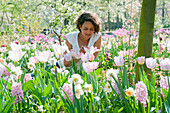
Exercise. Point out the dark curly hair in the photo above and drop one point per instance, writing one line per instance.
(91, 17)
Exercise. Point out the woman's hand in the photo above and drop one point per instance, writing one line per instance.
(82, 50)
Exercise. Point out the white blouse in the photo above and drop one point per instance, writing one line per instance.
(73, 39)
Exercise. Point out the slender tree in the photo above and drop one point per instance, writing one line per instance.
(146, 33)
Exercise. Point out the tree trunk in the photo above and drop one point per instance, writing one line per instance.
(146, 33)
(163, 9)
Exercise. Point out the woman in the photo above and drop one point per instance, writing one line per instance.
(88, 35)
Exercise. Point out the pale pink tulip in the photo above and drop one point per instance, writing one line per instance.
(150, 63)
(119, 61)
(90, 66)
(84, 57)
(68, 57)
(141, 60)
(86, 68)
(91, 57)
(123, 53)
(165, 64)
(1, 69)
(33, 60)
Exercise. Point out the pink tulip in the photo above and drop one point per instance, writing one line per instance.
(86, 68)
(84, 57)
(27, 77)
(150, 63)
(1, 70)
(141, 60)
(90, 66)
(2, 60)
(161, 47)
(91, 57)
(68, 57)
(33, 60)
(165, 64)
(119, 61)
(123, 53)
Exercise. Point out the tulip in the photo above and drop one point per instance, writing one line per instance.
(165, 64)
(150, 63)
(141, 60)
(16, 55)
(119, 60)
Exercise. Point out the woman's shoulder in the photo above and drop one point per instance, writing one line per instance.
(97, 34)
(71, 37)
(71, 34)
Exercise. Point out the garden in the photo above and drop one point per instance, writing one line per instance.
(130, 75)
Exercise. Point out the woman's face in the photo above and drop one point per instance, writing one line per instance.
(87, 29)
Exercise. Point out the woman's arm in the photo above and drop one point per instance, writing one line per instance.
(69, 63)
(97, 44)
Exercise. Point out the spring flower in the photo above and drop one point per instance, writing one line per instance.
(68, 89)
(161, 47)
(107, 88)
(43, 56)
(16, 72)
(60, 70)
(131, 52)
(17, 90)
(97, 98)
(165, 64)
(150, 62)
(1, 69)
(141, 93)
(119, 61)
(78, 91)
(164, 84)
(52, 61)
(40, 108)
(141, 60)
(3, 49)
(91, 50)
(90, 57)
(84, 57)
(112, 72)
(33, 59)
(2, 60)
(27, 77)
(86, 68)
(58, 49)
(90, 66)
(87, 88)
(31, 66)
(129, 92)
(15, 46)
(16, 55)
(77, 55)
(53, 71)
(68, 57)
(6, 73)
(76, 78)
(123, 53)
